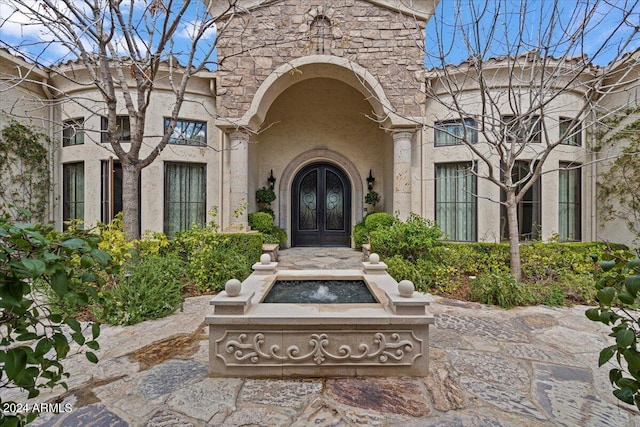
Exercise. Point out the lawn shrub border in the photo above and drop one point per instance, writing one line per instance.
(553, 271)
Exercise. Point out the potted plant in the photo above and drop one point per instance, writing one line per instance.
(264, 196)
(372, 198)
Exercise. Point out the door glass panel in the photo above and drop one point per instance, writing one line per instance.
(307, 220)
(334, 212)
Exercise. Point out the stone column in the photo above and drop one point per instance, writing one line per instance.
(239, 179)
(402, 172)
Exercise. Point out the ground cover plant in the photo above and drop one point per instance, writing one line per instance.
(553, 273)
(157, 272)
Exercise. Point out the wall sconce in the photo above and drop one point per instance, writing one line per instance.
(272, 180)
(370, 181)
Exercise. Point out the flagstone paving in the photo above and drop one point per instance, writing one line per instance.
(534, 366)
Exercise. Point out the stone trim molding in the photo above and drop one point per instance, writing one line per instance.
(239, 135)
(403, 134)
(314, 66)
(370, 347)
(312, 156)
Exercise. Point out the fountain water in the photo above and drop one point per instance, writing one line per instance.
(320, 292)
(318, 336)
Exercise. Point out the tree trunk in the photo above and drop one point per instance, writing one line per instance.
(130, 198)
(514, 236)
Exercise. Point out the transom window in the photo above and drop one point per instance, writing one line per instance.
(571, 136)
(187, 132)
(123, 129)
(73, 132)
(454, 132)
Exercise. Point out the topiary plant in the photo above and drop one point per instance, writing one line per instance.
(265, 195)
(372, 198)
(618, 283)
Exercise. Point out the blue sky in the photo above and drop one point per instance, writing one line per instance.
(450, 23)
(528, 23)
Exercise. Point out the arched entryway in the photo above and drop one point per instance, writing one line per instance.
(321, 206)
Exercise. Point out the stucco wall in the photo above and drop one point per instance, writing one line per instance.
(88, 104)
(23, 97)
(488, 225)
(625, 103)
(316, 115)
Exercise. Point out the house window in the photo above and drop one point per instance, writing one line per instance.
(321, 30)
(187, 132)
(111, 203)
(456, 201)
(571, 136)
(453, 132)
(570, 212)
(123, 129)
(73, 132)
(73, 191)
(111, 190)
(185, 196)
(529, 208)
(522, 128)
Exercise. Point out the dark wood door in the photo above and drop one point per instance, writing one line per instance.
(321, 207)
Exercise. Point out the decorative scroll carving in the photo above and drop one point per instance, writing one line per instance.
(386, 348)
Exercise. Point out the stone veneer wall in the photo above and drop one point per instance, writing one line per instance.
(388, 44)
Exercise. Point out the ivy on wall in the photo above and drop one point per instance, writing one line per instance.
(619, 187)
(24, 170)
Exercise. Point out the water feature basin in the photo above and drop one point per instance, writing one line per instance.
(249, 337)
(319, 292)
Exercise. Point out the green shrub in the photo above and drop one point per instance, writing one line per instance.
(360, 234)
(151, 288)
(261, 221)
(378, 220)
(371, 222)
(499, 289)
(280, 234)
(213, 258)
(413, 239)
(579, 289)
(551, 294)
(269, 211)
(618, 284)
(270, 238)
(401, 269)
(214, 265)
(33, 342)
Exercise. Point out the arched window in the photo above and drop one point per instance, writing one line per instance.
(320, 32)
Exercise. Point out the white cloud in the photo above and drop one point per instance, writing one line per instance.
(191, 28)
